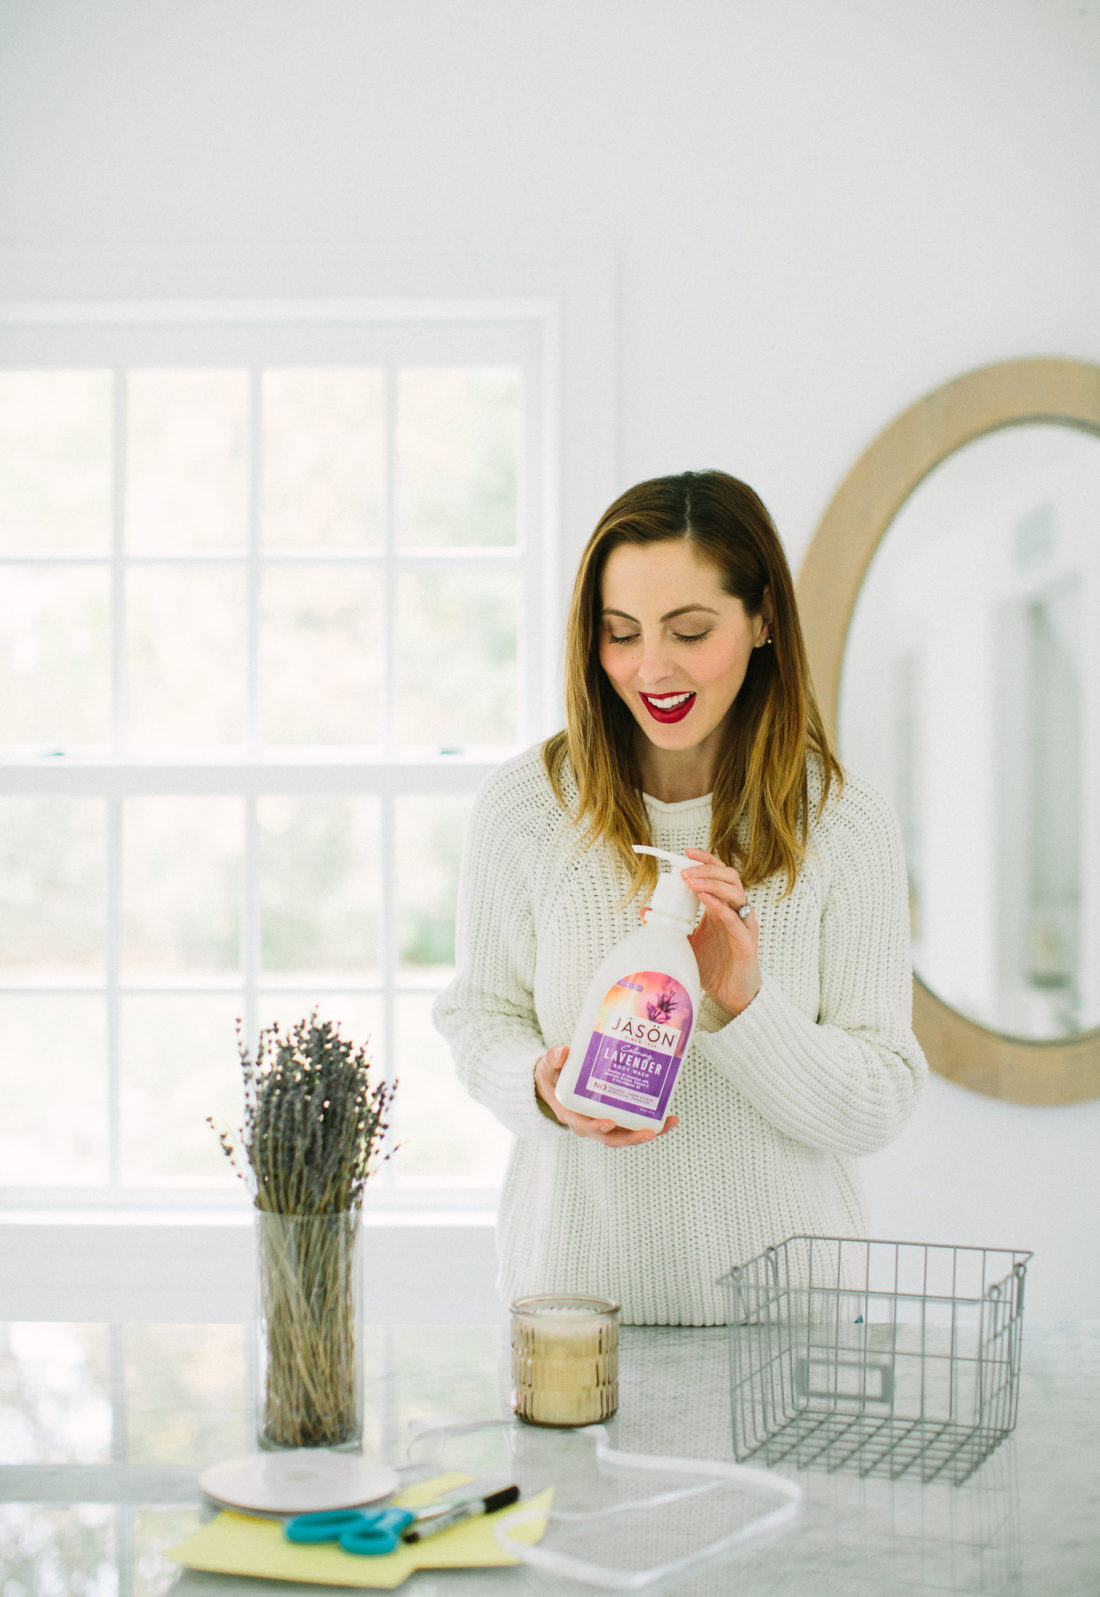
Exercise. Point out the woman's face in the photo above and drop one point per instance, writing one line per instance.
(674, 645)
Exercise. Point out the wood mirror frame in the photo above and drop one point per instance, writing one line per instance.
(1059, 1071)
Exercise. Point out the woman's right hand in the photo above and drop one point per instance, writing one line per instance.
(548, 1068)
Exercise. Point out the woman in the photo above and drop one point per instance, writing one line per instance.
(691, 724)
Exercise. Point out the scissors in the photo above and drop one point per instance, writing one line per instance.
(371, 1531)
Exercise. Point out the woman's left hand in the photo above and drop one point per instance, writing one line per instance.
(724, 942)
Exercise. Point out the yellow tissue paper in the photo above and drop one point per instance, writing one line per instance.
(239, 1544)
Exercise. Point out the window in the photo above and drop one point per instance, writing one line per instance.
(275, 597)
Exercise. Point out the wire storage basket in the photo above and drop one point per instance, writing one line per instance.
(879, 1357)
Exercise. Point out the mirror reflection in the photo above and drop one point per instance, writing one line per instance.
(970, 693)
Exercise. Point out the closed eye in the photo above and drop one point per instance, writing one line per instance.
(679, 637)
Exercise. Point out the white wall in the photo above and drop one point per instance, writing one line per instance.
(816, 211)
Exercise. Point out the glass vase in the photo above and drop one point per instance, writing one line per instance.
(308, 1317)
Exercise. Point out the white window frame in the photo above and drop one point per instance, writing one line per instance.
(254, 338)
(568, 370)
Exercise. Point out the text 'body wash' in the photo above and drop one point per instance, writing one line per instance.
(639, 1013)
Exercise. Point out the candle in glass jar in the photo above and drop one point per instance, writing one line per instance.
(565, 1359)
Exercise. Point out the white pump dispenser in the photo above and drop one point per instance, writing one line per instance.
(639, 1014)
(672, 896)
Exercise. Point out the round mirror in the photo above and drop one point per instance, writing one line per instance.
(951, 602)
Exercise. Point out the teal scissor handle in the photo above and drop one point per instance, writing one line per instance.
(368, 1531)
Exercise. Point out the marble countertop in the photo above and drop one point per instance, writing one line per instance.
(103, 1429)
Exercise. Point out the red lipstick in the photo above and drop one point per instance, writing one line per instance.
(661, 709)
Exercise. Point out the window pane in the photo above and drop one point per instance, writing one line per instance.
(186, 461)
(319, 885)
(55, 681)
(47, 1420)
(357, 1015)
(182, 864)
(195, 1374)
(430, 829)
(48, 1549)
(321, 656)
(154, 1530)
(324, 459)
(53, 887)
(456, 645)
(186, 651)
(444, 1135)
(457, 452)
(55, 462)
(53, 1086)
(178, 1065)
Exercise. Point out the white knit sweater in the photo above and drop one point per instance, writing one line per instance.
(775, 1105)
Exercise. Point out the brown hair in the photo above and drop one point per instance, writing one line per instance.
(762, 778)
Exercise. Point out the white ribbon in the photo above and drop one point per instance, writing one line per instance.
(714, 1473)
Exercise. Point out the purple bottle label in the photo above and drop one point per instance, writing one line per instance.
(637, 1045)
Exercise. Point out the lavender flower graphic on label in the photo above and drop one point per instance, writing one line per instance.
(663, 1007)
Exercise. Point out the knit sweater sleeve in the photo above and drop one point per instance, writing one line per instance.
(846, 1079)
(487, 1013)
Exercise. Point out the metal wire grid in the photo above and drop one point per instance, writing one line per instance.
(878, 1357)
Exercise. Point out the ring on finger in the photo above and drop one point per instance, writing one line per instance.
(744, 912)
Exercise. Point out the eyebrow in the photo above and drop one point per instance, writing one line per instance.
(670, 615)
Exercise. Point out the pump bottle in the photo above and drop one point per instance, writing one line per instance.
(639, 1013)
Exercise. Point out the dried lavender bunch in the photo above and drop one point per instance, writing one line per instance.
(314, 1130)
(314, 1126)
